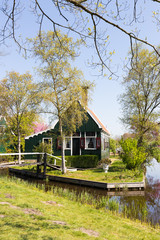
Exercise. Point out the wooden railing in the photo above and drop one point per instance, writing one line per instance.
(39, 163)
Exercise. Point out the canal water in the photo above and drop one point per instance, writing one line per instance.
(143, 205)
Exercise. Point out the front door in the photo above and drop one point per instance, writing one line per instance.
(76, 146)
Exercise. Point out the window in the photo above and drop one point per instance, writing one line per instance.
(90, 142)
(106, 143)
(47, 141)
(67, 143)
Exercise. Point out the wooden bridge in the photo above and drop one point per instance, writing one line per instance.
(38, 162)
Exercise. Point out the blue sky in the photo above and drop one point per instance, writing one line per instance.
(104, 98)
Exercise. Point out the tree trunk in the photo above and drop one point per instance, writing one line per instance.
(140, 141)
(63, 158)
(62, 148)
(19, 148)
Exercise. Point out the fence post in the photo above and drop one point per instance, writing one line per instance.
(38, 167)
(45, 164)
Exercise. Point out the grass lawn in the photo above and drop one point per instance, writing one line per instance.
(117, 173)
(27, 213)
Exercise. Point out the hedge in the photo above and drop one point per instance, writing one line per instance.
(84, 161)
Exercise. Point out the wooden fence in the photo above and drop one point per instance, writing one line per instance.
(39, 163)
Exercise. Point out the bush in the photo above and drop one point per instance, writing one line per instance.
(132, 155)
(44, 148)
(84, 161)
(105, 161)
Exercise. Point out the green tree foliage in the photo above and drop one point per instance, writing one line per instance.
(113, 145)
(44, 148)
(63, 85)
(153, 150)
(19, 99)
(141, 100)
(132, 155)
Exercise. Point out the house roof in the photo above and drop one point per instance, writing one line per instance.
(96, 119)
(90, 112)
(37, 133)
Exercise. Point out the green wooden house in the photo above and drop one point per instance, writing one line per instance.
(92, 138)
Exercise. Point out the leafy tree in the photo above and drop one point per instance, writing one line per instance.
(141, 100)
(19, 99)
(132, 155)
(92, 20)
(153, 150)
(62, 83)
(113, 145)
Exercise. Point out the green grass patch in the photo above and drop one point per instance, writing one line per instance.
(117, 173)
(28, 213)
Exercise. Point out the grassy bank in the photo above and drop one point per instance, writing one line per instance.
(117, 173)
(29, 213)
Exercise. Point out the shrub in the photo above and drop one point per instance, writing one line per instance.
(105, 161)
(132, 155)
(84, 161)
(44, 148)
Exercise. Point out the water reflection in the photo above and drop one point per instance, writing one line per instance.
(152, 196)
(147, 207)
(153, 170)
(143, 205)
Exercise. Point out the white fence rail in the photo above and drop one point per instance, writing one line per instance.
(16, 154)
(33, 153)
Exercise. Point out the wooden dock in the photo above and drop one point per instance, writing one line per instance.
(26, 174)
(101, 185)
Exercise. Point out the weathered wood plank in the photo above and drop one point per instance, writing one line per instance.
(108, 186)
(102, 185)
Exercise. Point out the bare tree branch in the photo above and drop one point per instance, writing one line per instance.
(95, 9)
(131, 36)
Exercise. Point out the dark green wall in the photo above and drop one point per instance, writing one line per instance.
(88, 126)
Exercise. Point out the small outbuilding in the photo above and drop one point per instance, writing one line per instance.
(92, 138)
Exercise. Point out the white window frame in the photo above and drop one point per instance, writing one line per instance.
(86, 143)
(47, 139)
(105, 140)
(67, 137)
